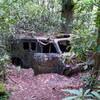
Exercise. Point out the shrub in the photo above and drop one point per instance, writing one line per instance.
(83, 94)
(4, 95)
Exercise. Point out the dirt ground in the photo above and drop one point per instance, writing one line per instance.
(23, 85)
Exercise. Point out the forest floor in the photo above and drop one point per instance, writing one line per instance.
(24, 85)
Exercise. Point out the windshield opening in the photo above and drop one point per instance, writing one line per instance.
(64, 45)
(49, 48)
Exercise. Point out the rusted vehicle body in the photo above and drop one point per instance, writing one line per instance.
(43, 54)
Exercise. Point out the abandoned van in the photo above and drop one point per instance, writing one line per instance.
(43, 54)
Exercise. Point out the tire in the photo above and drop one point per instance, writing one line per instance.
(17, 61)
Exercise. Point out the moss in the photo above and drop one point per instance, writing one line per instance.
(4, 95)
(2, 88)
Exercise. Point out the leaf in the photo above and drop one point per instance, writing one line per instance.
(2, 88)
(81, 92)
(86, 92)
(89, 95)
(96, 94)
(98, 49)
(85, 67)
(1, 12)
(70, 98)
(74, 91)
(98, 86)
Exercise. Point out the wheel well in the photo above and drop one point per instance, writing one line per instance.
(66, 71)
(16, 61)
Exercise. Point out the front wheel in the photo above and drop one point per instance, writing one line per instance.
(16, 61)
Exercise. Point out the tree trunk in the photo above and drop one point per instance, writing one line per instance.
(97, 58)
(96, 69)
(67, 15)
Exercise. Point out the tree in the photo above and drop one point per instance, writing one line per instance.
(96, 69)
(67, 15)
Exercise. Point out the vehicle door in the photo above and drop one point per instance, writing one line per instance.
(29, 47)
(46, 58)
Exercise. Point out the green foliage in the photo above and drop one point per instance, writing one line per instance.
(41, 17)
(4, 95)
(82, 94)
(90, 81)
(2, 88)
(93, 82)
(37, 16)
(4, 60)
(98, 15)
(78, 94)
(96, 94)
(84, 27)
(44, 16)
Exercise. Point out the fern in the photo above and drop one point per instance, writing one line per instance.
(96, 94)
(82, 94)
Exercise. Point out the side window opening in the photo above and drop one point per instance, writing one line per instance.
(33, 46)
(53, 49)
(26, 45)
(49, 48)
(46, 48)
(64, 46)
(39, 47)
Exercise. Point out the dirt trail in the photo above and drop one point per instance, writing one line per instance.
(24, 85)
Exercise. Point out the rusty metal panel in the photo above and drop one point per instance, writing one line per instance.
(40, 61)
